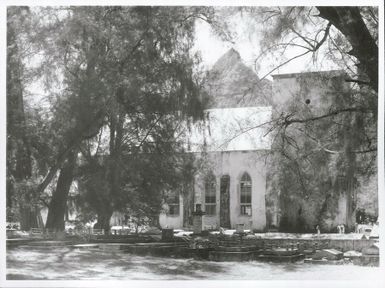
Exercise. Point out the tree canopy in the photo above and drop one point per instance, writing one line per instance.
(121, 82)
(127, 71)
(323, 146)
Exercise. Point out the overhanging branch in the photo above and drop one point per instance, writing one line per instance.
(287, 120)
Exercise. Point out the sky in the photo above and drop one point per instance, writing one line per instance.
(246, 43)
(211, 48)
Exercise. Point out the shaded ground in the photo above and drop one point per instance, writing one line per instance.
(63, 263)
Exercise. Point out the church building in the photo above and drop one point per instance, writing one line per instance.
(231, 148)
(232, 185)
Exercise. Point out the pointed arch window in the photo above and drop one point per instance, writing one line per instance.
(210, 195)
(245, 189)
(173, 203)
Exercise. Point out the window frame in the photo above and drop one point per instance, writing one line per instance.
(245, 191)
(173, 203)
(211, 187)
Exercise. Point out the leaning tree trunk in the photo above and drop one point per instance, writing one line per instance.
(349, 22)
(58, 204)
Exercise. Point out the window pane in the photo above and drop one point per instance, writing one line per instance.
(173, 198)
(172, 201)
(245, 187)
(173, 209)
(210, 209)
(246, 210)
(210, 190)
(246, 178)
(210, 199)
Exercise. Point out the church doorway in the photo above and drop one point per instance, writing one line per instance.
(224, 214)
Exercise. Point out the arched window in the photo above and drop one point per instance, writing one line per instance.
(173, 203)
(210, 195)
(245, 187)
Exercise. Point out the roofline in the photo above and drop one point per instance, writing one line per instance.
(262, 108)
(339, 72)
(229, 151)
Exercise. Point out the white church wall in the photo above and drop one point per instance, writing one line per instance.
(234, 164)
(172, 221)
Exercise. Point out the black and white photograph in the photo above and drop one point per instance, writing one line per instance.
(192, 141)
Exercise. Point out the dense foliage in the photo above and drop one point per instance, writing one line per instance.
(121, 82)
(325, 140)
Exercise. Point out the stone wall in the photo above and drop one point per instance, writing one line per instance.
(339, 244)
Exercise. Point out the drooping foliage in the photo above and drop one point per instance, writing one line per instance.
(157, 91)
(123, 79)
(24, 154)
(318, 158)
(325, 138)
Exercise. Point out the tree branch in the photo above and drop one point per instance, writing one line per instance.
(327, 30)
(349, 22)
(358, 81)
(303, 38)
(284, 63)
(287, 121)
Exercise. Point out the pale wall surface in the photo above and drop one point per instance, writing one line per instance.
(232, 129)
(301, 86)
(172, 221)
(319, 88)
(236, 143)
(234, 164)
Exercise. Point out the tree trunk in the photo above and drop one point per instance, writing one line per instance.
(188, 205)
(57, 206)
(107, 203)
(28, 218)
(349, 22)
(350, 188)
(351, 139)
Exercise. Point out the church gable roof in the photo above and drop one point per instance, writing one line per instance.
(233, 84)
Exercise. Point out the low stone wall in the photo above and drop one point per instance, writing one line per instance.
(305, 244)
